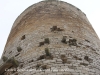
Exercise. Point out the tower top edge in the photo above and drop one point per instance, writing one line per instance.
(44, 2)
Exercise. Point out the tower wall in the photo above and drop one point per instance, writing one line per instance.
(73, 44)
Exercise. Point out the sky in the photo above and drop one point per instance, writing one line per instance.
(11, 9)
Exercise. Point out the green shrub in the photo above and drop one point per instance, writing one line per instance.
(47, 40)
(47, 52)
(13, 61)
(64, 40)
(72, 42)
(4, 58)
(46, 56)
(54, 28)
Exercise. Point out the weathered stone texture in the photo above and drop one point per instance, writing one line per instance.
(78, 54)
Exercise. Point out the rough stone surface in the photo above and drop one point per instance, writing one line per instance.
(79, 54)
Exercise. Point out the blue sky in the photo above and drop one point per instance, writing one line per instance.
(11, 9)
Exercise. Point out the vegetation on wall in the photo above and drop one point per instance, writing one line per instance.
(47, 55)
(46, 41)
(64, 40)
(13, 61)
(47, 52)
(4, 58)
(55, 28)
(72, 42)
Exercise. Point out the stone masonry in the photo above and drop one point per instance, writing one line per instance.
(51, 38)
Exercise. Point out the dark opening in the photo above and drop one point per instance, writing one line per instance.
(23, 37)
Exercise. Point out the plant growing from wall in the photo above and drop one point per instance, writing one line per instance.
(72, 42)
(46, 40)
(46, 56)
(54, 28)
(4, 58)
(13, 61)
(64, 40)
(47, 52)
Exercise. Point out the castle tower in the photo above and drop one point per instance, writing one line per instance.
(51, 38)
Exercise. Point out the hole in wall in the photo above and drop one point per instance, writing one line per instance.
(85, 64)
(17, 54)
(87, 40)
(19, 49)
(23, 37)
(10, 52)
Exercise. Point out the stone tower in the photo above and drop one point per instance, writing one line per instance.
(51, 38)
